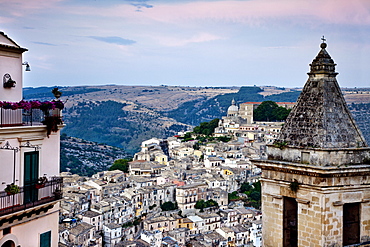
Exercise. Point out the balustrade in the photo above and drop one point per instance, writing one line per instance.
(31, 196)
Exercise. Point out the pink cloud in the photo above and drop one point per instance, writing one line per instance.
(198, 38)
(253, 12)
(262, 11)
(20, 8)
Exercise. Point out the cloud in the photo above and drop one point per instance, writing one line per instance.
(43, 43)
(256, 12)
(114, 40)
(20, 8)
(139, 4)
(198, 38)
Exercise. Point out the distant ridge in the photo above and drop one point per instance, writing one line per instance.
(123, 116)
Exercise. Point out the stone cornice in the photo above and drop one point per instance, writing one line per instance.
(323, 149)
(313, 171)
(25, 132)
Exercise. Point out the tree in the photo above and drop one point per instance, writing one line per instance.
(187, 135)
(206, 128)
(211, 203)
(257, 186)
(256, 196)
(281, 113)
(168, 206)
(120, 164)
(245, 187)
(270, 111)
(233, 196)
(200, 204)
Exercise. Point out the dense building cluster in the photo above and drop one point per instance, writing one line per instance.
(175, 193)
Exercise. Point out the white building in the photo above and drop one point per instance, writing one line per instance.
(153, 238)
(29, 151)
(112, 234)
(256, 233)
(198, 224)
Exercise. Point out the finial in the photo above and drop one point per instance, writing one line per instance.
(323, 44)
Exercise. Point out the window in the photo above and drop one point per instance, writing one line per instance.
(290, 222)
(31, 175)
(351, 223)
(45, 239)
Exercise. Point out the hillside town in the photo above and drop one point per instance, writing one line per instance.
(266, 174)
(175, 192)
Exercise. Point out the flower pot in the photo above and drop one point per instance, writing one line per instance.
(12, 189)
(39, 186)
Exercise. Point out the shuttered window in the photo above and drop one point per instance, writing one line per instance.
(45, 239)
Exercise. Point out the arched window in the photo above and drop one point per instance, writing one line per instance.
(8, 243)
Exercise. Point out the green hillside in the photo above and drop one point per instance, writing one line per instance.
(107, 122)
(197, 111)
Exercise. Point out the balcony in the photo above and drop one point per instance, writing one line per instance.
(31, 117)
(31, 196)
(30, 113)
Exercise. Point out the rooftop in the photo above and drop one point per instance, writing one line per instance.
(321, 118)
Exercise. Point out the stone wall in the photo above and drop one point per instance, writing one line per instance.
(320, 197)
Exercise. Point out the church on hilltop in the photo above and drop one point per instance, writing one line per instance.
(316, 177)
(239, 123)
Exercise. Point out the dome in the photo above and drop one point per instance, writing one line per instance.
(233, 109)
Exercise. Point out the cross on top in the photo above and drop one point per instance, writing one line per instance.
(323, 39)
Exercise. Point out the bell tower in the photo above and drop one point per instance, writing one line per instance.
(316, 179)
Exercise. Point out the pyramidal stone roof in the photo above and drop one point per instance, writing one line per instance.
(321, 118)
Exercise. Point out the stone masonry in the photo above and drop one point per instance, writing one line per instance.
(316, 179)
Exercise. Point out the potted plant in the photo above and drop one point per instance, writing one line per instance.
(52, 123)
(12, 189)
(41, 182)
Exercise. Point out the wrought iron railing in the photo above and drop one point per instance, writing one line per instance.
(21, 117)
(31, 195)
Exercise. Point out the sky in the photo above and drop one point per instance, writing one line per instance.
(187, 43)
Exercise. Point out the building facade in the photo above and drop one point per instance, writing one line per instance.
(29, 154)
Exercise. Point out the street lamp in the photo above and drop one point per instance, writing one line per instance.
(28, 67)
